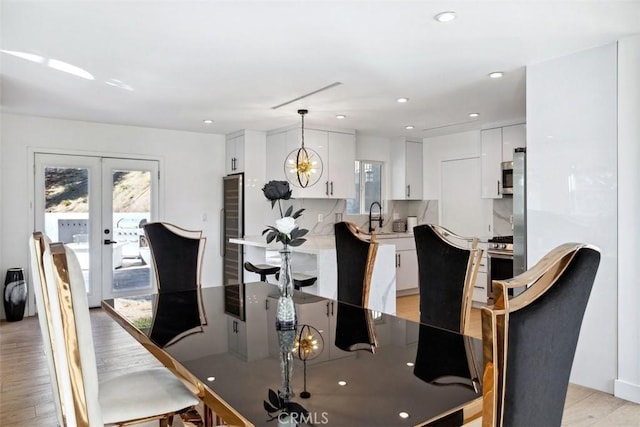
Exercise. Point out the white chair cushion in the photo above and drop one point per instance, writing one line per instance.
(143, 394)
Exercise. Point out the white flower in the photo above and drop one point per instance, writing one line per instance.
(285, 225)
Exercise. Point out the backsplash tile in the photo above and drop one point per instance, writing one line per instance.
(502, 214)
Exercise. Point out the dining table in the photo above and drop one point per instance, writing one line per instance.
(223, 343)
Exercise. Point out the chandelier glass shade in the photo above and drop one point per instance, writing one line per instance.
(303, 166)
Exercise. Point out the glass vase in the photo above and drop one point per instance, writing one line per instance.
(286, 312)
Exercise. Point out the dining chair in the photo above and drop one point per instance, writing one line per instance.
(529, 341)
(355, 256)
(38, 244)
(145, 395)
(176, 255)
(446, 274)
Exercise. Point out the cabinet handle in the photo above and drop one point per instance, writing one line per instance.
(332, 188)
(399, 260)
(326, 188)
(332, 308)
(327, 308)
(409, 190)
(266, 304)
(498, 187)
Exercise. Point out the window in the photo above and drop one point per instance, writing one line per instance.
(368, 182)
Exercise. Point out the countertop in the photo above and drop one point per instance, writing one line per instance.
(313, 245)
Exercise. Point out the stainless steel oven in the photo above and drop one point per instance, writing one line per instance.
(499, 267)
(499, 262)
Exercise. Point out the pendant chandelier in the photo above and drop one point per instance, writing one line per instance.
(303, 166)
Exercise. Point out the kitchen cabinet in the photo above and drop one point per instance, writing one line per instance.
(496, 146)
(513, 137)
(406, 262)
(406, 170)
(313, 311)
(337, 151)
(491, 163)
(234, 155)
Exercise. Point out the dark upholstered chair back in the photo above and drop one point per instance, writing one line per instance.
(177, 258)
(176, 254)
(445, 275)
(355, 259)
(534, 335)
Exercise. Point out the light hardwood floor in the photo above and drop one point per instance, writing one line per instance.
(25, 390)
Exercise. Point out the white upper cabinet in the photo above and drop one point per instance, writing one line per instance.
(342, 157)
(497, 146)
(406, 170)
(276, 153)
(490, 163)
(337, 151)
(234, 162)
(513, 137)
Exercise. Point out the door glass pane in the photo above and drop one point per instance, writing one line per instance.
(131, 201)
(66, 217)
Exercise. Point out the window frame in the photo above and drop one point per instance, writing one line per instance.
(364, 210)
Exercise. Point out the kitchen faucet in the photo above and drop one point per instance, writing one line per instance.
(380, 221)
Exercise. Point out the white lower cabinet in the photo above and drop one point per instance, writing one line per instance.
(480, 286)
(248, 340)
(316, 312)
(406, 262)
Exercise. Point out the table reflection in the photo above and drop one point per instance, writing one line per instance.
(239, 360)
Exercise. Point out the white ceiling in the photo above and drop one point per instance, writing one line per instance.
(232, 61)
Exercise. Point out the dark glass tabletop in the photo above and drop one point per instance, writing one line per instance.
(226, 338)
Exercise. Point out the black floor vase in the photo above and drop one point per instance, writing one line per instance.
(15, 294)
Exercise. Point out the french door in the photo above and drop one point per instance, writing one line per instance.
(97, 206)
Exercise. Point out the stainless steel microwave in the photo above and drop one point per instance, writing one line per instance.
(507, 177)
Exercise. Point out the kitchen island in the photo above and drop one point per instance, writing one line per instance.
(317, 257)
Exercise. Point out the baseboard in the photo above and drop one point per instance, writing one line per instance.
(626, 391)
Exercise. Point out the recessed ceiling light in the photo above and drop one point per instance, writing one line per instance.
(409, 127)
(402, 100)
(496, 74)
(207, 121)
(474, 115)
(445, 16)
(342, 383)
(340, 116)
(404, 415)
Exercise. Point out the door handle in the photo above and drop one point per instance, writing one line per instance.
(223, 247)
(109, 242)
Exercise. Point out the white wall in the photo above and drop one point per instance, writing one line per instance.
(572, 187)
(192, 165)
(447, 147)
(627, 384)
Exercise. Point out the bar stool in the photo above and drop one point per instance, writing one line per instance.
(300, 280)
(263, 270)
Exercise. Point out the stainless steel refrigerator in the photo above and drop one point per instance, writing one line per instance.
(232, 218)
(519, 211)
